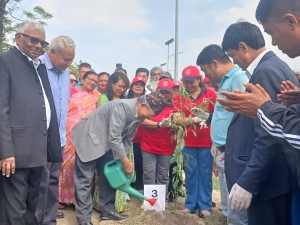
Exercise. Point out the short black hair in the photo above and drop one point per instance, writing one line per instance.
(89, 73)
(210, 53)
(104, 74)
(267, 8)
(245, 32)
(86, 65)
(142, 70)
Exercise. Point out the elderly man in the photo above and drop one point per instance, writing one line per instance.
(107, 134)
(252, 156)
(57, 60)
(155, 74)
(28, 125)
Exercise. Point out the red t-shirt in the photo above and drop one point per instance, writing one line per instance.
(138, 135)
(159, 140)
(207, 98)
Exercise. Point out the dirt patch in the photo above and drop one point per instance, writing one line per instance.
(137, 216)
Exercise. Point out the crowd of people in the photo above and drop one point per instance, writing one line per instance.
(58, 129)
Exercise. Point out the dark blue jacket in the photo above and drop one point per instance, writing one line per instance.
(254, 159)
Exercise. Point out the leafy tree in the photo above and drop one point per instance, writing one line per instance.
(11, 15)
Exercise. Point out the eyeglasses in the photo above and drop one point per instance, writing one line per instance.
(164, 92)
(73, 81)
(35, 40)
(92, 80)
(120, 87)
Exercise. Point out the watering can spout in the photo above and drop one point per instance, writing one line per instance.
(117, 179)
(128, 189)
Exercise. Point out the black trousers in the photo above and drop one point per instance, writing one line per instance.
(48, 194)
(276, 211)
(138, 167)
(19, 196)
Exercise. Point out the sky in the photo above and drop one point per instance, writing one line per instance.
(134, 32)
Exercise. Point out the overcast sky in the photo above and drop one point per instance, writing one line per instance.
(134, 32)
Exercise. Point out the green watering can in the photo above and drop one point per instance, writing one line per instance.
(118, 179)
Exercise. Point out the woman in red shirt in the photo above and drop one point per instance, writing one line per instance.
(197, 157)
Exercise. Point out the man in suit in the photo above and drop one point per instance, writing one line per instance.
(256, 164)
(57, 60)
(107, 134)
(29, 134)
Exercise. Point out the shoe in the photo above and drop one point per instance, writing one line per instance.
(60, 215)
(88, 223)
(112, 216)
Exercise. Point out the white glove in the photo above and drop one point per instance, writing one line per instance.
(200, 113)
(239, 198)
(201, 122)
(166, 122)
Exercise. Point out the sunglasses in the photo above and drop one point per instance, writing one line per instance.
(35, 40)
(73, 81)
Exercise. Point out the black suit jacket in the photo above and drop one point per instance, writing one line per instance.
(23, 128)
(254, 159)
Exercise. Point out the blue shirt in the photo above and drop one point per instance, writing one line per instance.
(60, 86)
(222, 118)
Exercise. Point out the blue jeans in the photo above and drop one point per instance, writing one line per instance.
(198, 177)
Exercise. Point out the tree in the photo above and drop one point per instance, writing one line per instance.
(10, 20)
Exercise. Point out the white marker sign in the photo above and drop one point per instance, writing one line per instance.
(158, 192)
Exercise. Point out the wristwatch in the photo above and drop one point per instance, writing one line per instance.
(159, 124)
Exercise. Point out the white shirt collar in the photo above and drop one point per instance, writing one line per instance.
(255, 62)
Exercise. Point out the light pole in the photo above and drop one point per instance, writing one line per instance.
(176, 42)
(168, 44)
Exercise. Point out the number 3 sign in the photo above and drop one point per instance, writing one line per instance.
(158, 192)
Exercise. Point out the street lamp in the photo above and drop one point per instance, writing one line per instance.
(162, 65)
(168, 44)
(177, 53)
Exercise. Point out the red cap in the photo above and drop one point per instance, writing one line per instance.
(205, 80)
(177, 83)
(190, 73)
(165, 84)
(137, 79)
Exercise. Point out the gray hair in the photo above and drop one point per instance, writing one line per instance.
(142, 100)
(62, 42)
(32, 24)
(154, 69)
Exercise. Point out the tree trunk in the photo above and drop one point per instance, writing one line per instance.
(2, 14)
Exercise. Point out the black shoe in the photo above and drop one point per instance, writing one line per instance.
(112, 216)
(60, 215)
(88, 223)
